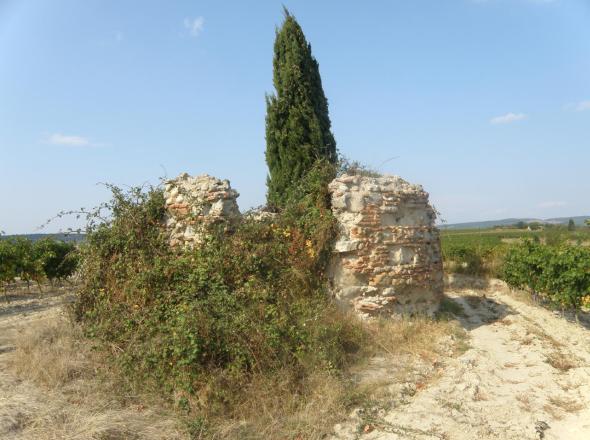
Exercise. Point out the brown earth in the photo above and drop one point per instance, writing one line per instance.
(525, 376)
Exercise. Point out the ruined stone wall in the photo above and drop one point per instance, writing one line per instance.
(193, 204)
(387, 259)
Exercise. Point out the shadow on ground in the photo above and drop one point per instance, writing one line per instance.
(14, 303)
(455, 281)
(474, 311)
(462, 283)
(24, 308)
(579, 317)
(6, 349)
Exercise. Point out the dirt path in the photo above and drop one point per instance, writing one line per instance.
(526, 375)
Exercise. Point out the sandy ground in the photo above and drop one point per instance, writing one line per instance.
(526, 375)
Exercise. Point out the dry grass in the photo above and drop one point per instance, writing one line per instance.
(272, 411)
(561, 361)
(421, 336)
(451, 405)
(568, 405)
(533, 329)
(75, 397)
(479, 394)
(524, 402)
(522, 296)
(556, 413)
(527, 340)
(406, 356)
(559, 406)
(569, 385)
(51, 354)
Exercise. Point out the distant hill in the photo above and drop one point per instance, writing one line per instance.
(75, 238)
(578, 220)
(487, 224)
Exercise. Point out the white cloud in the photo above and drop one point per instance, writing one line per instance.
(508, 118)
(582, 106)
(551, 204)
(69, 140)
(194, 25)
(577, 106)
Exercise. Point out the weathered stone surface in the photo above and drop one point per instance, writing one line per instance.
(387, 259)
(193, 204)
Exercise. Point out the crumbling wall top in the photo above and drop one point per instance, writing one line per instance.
(194, 203)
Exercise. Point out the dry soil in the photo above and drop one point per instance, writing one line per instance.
(525, 375)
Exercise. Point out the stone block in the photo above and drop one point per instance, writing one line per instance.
(387, 259)
(193, 204)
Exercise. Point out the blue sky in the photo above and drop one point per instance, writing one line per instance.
(485, 103)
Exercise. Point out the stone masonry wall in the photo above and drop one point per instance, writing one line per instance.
(387, 259)
(195, 203)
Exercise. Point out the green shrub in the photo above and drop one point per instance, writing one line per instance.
(559, 273)
(463, 259)
(200, 322)
(356, 168)
(477, 259)
(59, 260)
(556, 236)
(28, 266)
(8, 262)
(36, 261)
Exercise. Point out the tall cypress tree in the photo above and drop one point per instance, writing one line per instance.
(297, 121)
